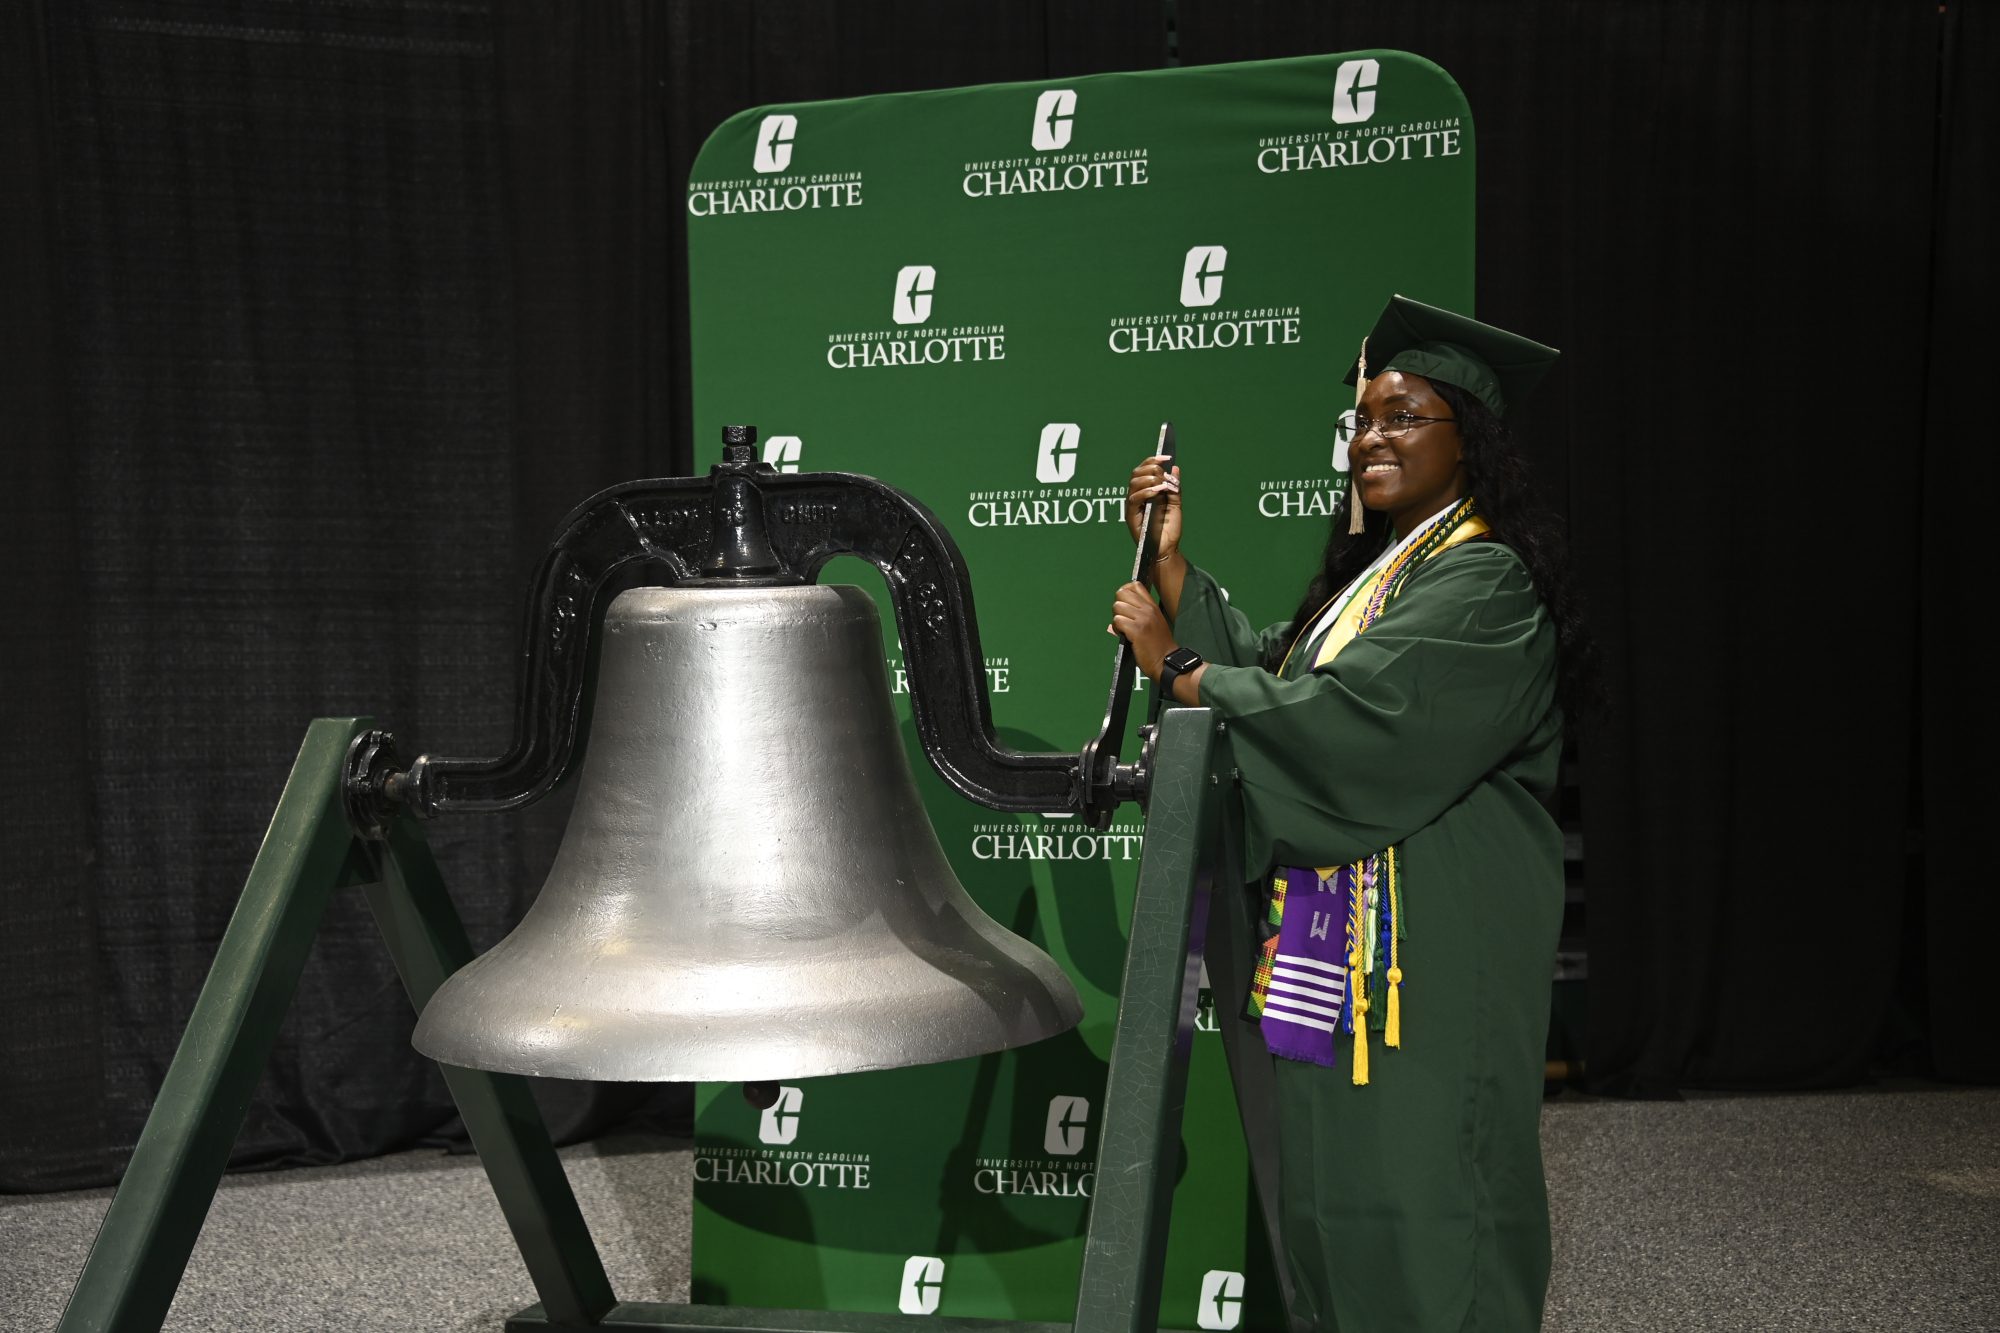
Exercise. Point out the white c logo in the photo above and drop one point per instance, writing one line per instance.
(1054, 112)
(1055, 460)
(1068, 1118)
(923, 1284)
(780, 1121)
(914, 285)
(1201, 275)
(1221, 1304)
(1354, 91)
(782, 452)
(774, 143)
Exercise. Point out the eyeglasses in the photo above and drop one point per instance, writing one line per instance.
(1392, 427)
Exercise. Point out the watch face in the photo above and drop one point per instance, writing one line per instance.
(1180, 659)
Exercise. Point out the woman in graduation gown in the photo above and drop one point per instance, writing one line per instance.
(1398, 741)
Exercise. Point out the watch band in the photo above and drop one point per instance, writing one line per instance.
(1175, 665)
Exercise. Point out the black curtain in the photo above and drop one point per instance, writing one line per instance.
(1959, 919)
(333, 310)
(322, 312)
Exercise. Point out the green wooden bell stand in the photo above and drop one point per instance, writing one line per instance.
(345, 821)
(310, 853)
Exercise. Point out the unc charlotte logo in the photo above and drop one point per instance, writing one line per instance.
(774, 143)
(1201, 275)
(779, 1123)
(1354, 91)
(782, 452)
(1221, 1303)
(1055, 457)
(1055, 114)
(914, 286)
(1069, 1117)
(923, 1284)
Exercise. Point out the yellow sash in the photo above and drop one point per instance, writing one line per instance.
(1348, 623)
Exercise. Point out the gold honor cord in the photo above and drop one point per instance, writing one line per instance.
(1348, 623)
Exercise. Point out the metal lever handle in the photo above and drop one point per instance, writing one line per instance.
(1106, 781)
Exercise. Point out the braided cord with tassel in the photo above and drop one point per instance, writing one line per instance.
(1392, 1034)
(1357, 977)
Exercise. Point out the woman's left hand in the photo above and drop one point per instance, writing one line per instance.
(1134, 615)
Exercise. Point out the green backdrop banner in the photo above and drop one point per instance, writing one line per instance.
(991, 297)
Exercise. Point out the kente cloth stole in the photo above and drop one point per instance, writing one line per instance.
(1333, 935)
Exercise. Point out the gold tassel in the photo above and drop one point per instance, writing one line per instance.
(1356, 520)
(1392, 1031)
(1357, 979)
(1360, 1040)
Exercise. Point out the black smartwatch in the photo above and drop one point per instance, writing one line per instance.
(1174, 665)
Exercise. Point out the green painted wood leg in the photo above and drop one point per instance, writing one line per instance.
(142, 1249)
(1230, 948)
(1126, 1243)
(427, 939)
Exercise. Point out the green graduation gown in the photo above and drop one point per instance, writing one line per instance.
(1415, 1203)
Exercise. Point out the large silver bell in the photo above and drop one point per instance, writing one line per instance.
(748, 889)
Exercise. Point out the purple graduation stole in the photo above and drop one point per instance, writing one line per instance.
(1299, 990)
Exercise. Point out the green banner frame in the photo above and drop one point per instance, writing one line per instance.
(992, 297)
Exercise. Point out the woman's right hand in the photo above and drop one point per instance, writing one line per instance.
(1151, 479)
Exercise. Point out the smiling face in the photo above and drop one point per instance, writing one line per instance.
(1414, 477)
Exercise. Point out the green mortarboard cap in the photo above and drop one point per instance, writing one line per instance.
(1496, 367)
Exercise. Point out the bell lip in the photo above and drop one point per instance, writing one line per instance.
(736, 1068)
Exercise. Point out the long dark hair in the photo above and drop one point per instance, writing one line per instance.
(1497, 478)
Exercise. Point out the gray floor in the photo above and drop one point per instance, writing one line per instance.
(1870, 1210)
